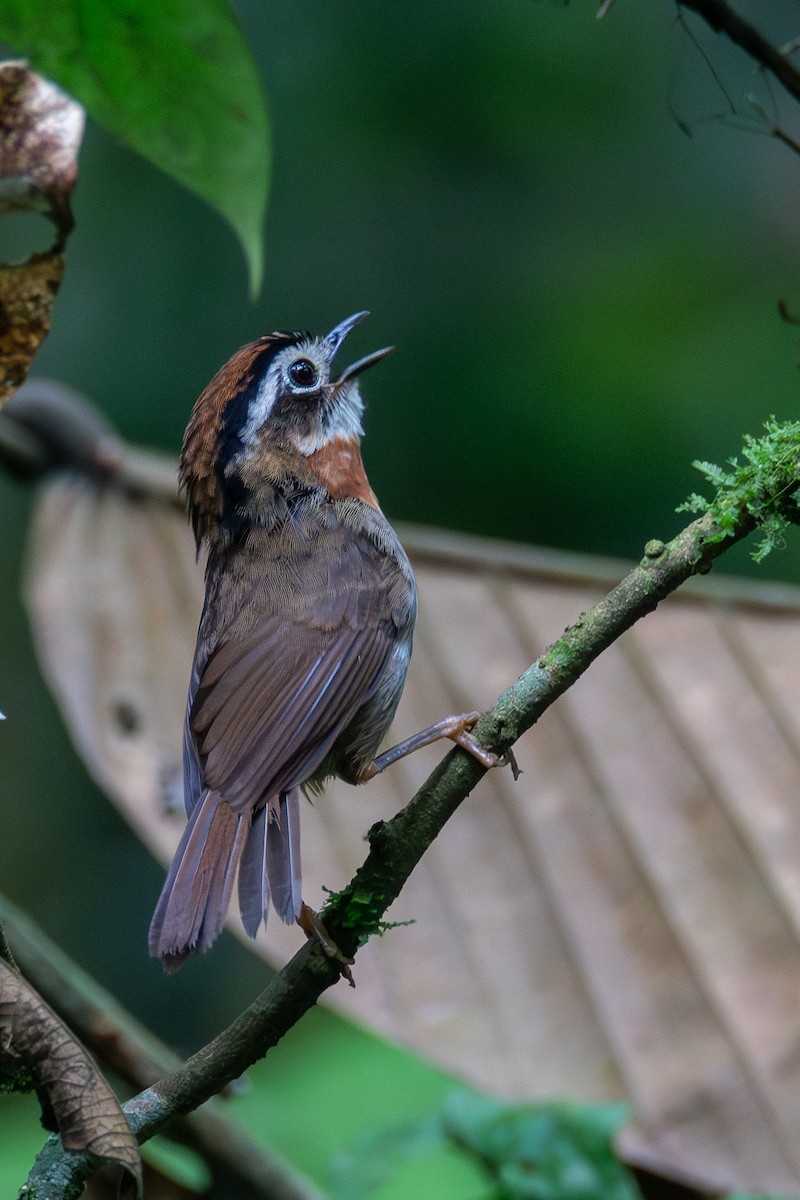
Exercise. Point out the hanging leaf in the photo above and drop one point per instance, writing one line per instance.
(117, 593)
(173, 80)
(40, 132)
(114, 589)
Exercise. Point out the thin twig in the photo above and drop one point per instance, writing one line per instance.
(722, 18)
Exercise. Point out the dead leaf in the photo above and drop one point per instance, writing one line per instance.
(40, 133)
(41, 130)
(113, 579)
(26, 299)
(116, 593)
(622, 922)
(87, 1115)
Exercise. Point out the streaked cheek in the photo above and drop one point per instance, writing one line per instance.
(300, 416)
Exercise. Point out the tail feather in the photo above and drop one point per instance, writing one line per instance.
(194, 900)
(270, 866)
(254, 890)
(283, 856)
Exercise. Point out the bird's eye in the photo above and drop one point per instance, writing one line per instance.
(303, 373)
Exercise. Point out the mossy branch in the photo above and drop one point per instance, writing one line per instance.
(756, 494)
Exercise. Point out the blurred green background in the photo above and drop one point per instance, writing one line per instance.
(583, 300)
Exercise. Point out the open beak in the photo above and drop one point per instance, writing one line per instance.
(337, 336)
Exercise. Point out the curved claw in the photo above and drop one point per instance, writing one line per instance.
(487, 758)
(466, 741)
(312, 926)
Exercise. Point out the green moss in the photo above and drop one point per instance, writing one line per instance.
(764, 486)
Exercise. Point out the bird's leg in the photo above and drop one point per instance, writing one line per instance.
(457, 728)
(311, 924)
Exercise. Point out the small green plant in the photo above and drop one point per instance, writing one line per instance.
(765, 485)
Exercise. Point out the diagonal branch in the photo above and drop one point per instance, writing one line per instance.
(722, 18)
(355, 914)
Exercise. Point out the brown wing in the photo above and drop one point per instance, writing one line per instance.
(300, 650)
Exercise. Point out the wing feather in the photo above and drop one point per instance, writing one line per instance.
(193, 788)
(287, 672)
(291, 726)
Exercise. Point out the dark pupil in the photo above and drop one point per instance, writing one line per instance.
(303, 373)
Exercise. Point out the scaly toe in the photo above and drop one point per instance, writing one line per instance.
(488, 758)
(467, 742)
(313, 927)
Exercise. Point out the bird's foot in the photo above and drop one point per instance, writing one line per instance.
(313, 927)
(458, 729)
(487, 757)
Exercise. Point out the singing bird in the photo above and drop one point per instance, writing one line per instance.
(305, 636)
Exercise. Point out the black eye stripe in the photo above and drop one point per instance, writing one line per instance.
(303, 373)
(237, 409)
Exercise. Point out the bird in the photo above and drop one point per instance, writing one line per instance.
(305, 635)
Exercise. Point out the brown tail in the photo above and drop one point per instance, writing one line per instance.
(194, 900)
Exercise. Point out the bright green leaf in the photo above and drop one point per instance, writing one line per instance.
(174, 80)
(559, 1151)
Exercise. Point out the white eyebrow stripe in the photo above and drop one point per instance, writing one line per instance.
(262, 403)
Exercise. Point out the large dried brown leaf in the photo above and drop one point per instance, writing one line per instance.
(622, 922)
(117, 593)
(40, 132)
(27, 292)
(87, 1115)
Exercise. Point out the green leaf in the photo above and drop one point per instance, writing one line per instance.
(174, 80)
(559, 1151)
